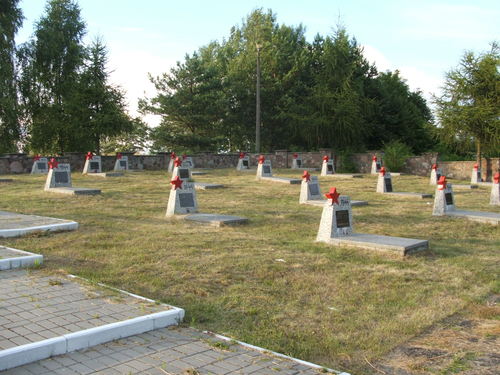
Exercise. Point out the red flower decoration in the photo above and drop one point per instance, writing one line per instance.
(496, 178)
(176, 183)
(119, 155)
(89, 156)
(326, 158)
(442, 183)
(37, 157)
(382, 171)
(307, 176)
(53, 163)
(333, 195)
(295, 155)
(434, 166)
(173, 155)
(177, 162)
(374, 157)
(242, 155)
(261, 159)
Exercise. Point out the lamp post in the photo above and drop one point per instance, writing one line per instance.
(257, 102)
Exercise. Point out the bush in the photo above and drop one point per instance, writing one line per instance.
(395, 155)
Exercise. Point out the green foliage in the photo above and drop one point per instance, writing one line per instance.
(11, 18)
(136, 139)
(346, 164)
(395, 155)
(469, 109)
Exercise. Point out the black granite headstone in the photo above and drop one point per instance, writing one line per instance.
(245, 163)
(388, 185)
(479, 176)
(449, 199)
(342, 217)
(123, 163)
(378, 165)
(94, 165)
(438, 176)
(299, 162)
(41, 165)
(183, 173)
(186, 200)
(61, 177)
(266, 169)
(329, 167)
(314, 189)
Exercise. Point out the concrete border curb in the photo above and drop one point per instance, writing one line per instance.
(30, 259)
(67, 226)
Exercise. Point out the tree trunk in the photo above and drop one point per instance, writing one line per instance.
(478, 153)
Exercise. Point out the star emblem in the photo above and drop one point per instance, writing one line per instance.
(333, 195)
(177, 162)
(326, 158)
(261, 159)
(434, 166)
(173, 155)
(37, 157)
(119, 155)
(242, 155)
(306, 176)
(53, 163)
(382, 171)
(374, 157)
(295, 155)
(442, 183)
(176, 183)
(89, 156)
(496, 178)
(476, 166)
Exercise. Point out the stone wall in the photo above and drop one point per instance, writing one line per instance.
(418, 165)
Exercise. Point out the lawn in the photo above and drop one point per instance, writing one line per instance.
(268, 283)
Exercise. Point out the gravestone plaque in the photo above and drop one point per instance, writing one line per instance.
(245, 163)
(186, 200)
(342, 217)
(266, 169)
(449, 199)
(438, 176)
(184, 173)
(478, 176)
(187, 163)
(94, 165)
(123, 163)
(42, 166)
(388, 185)
(314, 189)
(299, 163)
(61, 177)
(378, 166)
(330, 167)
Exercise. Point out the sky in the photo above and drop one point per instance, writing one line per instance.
(422, 39)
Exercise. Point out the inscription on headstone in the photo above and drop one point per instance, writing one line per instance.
(42, 166)
(314, 189)
(186, 200)
(299, 163)
(330, 167)
(61, 177)
(378, 166)
(449, 199)
(245, 163)
(388, 185)
(342, 218)
(183, 173)
(123, 163)
(94, 165)
(266, 169)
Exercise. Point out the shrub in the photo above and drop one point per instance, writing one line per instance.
(395, 155)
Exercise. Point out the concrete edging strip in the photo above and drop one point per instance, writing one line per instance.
(28, 260)
(72, 225)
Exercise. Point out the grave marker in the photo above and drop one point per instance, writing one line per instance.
(297, 161)
(173, 156)
(59, 180)
(476, 174)
(182, 199)
(384, 182)
(376, 165)
(309, 189)
(243, 162)
(92, 164)
(435, 174)
(264, 168)
(327, 167)
(336, 228)
(181, 170)
(40, 165)
(495, 190)
(187, 161)
(121, 163)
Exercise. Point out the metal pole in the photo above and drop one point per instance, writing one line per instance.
(257, 105)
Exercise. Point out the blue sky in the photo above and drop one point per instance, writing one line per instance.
(423, 39)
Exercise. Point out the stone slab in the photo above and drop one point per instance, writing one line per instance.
(207, 186)
(106, 174)
(464, 187)
(479, 216)
(15, 225)
(198, 173)
(321, 203)
(409, 195)
(395, 245)
(283, 180)
(74, 191)
(487, 184)
(216, 220)
(344, 175)
(12, 258)
(56, 314)
(6, 180)
(397, 174)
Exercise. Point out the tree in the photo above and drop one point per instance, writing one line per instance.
(11, 18)
(50, 65)
(134, 140)
(469, 108)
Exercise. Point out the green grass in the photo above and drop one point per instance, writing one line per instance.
(329, 305)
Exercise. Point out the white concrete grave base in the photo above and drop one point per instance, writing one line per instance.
(207, 186)
(92, 165)
(481, 217)
(345, 175)
(15, 225)
(464, 187)
(283, 180)
(216, 220)
(12, 258)
(74, 191)
(121, 164)
(264, 170)
(409, 195)
(495, 195)
(106, 174)
(182, 201)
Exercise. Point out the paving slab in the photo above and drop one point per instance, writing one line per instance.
(344, 175)
(42, 315)
(216, 220)
(479, 216)
(409, 195)
(396, 245)
(321, 203)
(74, 191)
(106, 174)
(15, 225)
(284, 180)
(170, 351)
(12, 258)
(207, 186)
(464, 187)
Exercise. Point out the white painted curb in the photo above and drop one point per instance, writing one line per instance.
(72, 225)
(28, 260)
